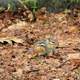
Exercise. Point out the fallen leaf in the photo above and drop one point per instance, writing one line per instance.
(10, 39)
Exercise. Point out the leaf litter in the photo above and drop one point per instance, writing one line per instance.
(62, 61)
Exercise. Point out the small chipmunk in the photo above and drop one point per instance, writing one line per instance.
(45, 46)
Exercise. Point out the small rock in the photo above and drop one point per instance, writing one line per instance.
(1, 70)
(30, 17)
(19, 72)
(73, 56)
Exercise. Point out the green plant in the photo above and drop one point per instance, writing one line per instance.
(11, 5)
(32, 4)
(2, 8)
(75, 1)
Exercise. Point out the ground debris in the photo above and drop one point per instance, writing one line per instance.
(62, 43)
(10, 40)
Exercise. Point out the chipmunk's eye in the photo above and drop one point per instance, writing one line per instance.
(42, 44)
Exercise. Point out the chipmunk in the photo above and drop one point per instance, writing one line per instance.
(45, 46)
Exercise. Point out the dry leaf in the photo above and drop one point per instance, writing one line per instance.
(19, 25)
(10, 39)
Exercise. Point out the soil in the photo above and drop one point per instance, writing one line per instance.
(19, 60)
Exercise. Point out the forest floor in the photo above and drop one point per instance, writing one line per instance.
(18, 49)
